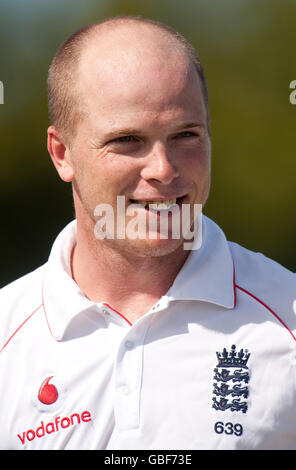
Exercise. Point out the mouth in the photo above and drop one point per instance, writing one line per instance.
(159, 205)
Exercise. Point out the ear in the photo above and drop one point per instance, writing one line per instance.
(60, 154)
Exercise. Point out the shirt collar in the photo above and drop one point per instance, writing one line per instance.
(62, 297)
(207, 275)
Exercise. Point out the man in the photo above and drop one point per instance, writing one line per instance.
(126, 342)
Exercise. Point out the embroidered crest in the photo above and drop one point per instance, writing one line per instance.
(230, 390)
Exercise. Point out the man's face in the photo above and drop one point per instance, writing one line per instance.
(144, 137)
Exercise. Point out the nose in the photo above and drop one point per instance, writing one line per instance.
(159, 166)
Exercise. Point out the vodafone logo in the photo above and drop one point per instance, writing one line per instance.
(49, 397)
(48, 393)
(59, 423)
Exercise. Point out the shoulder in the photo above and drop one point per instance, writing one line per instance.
(25, 286)
(18, 300)
(253, 268)
(266, 282)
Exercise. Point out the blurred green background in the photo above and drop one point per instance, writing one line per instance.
(248, 51)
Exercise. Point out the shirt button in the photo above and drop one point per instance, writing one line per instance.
(128, 344)
(124, 389)
(105, 312)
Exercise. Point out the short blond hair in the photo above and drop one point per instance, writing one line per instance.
(65, 110)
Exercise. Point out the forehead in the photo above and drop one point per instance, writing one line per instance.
(135, 71)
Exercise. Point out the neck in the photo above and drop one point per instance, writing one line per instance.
(128, 282)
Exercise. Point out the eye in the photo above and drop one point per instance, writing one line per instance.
(186, 134)
(125, 139)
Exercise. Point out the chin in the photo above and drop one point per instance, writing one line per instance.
(155, 248)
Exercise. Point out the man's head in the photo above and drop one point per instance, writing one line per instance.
(64, 98)
(130, 118)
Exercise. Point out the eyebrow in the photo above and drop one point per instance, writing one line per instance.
(134, 131)
(191, 124)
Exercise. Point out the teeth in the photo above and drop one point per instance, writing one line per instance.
(159, 205)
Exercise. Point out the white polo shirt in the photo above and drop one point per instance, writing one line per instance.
(211, 366)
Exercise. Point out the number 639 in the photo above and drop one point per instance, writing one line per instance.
(228, 428)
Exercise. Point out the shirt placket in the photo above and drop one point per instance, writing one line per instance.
(128, 377)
